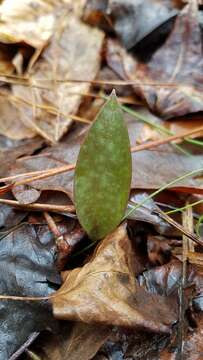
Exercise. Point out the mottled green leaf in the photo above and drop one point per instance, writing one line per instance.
(103, 172)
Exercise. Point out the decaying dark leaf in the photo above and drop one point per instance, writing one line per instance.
(182, 53)
(105, 291)
(103, 172)
(165, 280)
(26, 265)
(193, 349)
(124, 344)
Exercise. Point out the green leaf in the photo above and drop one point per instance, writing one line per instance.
(103, 172)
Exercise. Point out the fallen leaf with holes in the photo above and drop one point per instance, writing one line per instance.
(105, 291)
(183, 54)
(48, 111)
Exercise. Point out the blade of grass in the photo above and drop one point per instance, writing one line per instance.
(160, 128)
(182, 177)
(180, 209)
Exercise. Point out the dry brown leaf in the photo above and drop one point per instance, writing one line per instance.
(177, 62)
(82, 343)
(74, 53)
(10, 124)
(105, 291)
(9, 154)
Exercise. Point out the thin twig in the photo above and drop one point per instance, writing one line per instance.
(52, 225)
(187, 220)
(38, 175)
(39, 206)
(25, 81)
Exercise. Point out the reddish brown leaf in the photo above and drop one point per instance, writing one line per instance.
(105, 291)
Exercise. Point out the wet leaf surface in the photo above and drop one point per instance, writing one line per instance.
(26, 265)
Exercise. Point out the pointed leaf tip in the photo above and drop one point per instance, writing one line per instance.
(113, 101)
(113, 93)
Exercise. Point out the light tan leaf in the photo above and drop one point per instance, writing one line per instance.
(105, 291)
(10, 125)
(29, 21)
(74, 53)
(32, 21)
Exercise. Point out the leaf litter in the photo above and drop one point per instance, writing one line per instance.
(122, 296)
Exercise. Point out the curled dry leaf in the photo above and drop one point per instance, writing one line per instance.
(27, 21)
(74, 53)
(183, 54)
(105, 291)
